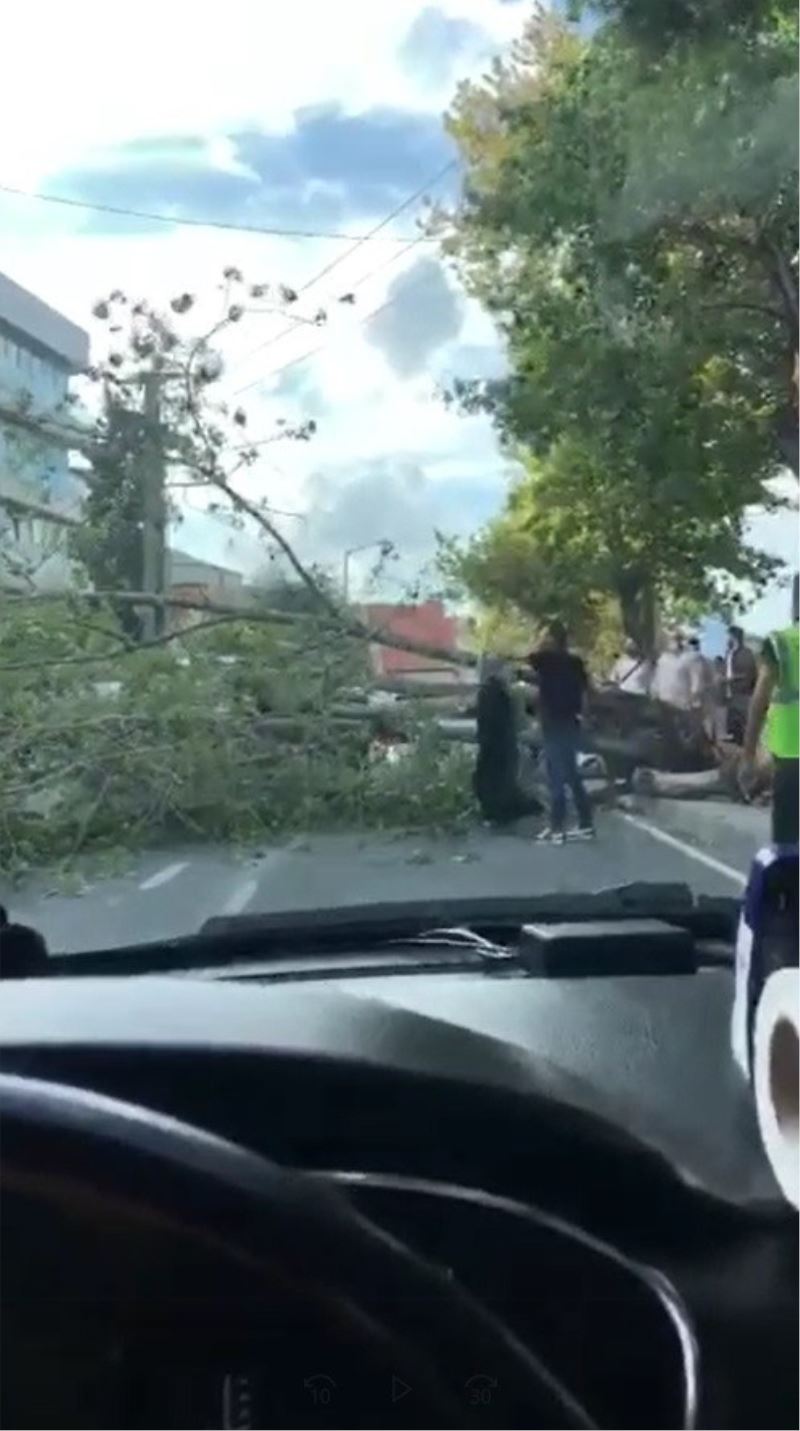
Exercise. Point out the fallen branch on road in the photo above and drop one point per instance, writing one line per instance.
(254, 615)
(254, 737)
(690, 785)
(123, 648)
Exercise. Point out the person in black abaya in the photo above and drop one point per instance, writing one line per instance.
(496, 779)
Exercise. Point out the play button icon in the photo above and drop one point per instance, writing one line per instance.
(400, 1389)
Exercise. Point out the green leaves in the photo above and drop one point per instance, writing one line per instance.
(630, 223)
(226, 734)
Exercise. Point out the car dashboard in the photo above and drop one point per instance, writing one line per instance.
(581, 1154)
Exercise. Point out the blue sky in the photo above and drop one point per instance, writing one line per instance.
(329, 169)
(306, 117)
(317, 119)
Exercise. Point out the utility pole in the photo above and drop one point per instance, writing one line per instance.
(155, 507)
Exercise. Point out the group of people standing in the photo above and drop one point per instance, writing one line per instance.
(718, 688)
(563, 684)
(682, 676)
(742, 698)
(737, 696)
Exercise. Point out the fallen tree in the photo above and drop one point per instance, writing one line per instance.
(106, 745)
(339, 623)
(631, 731)
(243, 725)
(249, 725)
(635, 730)
(723, 781)
(689, 785)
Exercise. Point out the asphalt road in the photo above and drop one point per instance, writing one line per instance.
(167, 893)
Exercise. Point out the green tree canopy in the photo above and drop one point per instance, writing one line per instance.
(630, 222)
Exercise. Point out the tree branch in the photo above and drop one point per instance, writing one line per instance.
(250, 509)
(96, 658)
(356, 630)
(222, 481)
(783, 280)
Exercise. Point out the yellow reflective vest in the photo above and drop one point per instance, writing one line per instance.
(783, 719)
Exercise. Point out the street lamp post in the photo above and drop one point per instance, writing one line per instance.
(386, 548)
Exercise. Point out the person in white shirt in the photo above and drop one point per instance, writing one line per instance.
(632, 672)
(701, 683)
(672, 680)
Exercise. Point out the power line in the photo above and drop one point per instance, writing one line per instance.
(185, 222)
(312, 352)
(289, 329)
(342, 258)
(395, 214)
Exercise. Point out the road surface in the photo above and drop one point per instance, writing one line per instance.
(163, 894)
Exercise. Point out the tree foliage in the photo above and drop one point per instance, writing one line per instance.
(630, 222)
(112, 736)
(109, 543)
(106, 747)
(159, 382)
(660, 24)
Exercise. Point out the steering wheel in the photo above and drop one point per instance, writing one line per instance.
(148, 1266)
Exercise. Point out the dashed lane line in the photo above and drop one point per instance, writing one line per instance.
(241, 897)
(163, 876)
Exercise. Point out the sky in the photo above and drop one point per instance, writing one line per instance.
(307, 117)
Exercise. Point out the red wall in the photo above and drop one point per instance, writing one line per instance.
(427, 622)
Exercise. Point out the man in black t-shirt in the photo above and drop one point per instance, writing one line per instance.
(563, 686)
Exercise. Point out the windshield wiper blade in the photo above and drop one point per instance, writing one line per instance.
(231, 939)
(705, 915)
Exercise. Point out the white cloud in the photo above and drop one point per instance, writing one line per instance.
(391, 498)
(776, 533)
(173, 69)
(84, 75)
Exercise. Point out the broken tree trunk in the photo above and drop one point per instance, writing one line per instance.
(426, 690)
(686, 785)
(629, 731)
(668, 738)
(388, 724)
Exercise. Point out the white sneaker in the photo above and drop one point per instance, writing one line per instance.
(551, 837)
(583, 832)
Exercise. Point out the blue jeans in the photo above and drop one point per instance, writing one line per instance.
(561, 744)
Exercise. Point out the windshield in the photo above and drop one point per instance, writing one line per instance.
(398, 453)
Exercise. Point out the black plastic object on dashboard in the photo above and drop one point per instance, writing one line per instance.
(23, 952)
(594, 948)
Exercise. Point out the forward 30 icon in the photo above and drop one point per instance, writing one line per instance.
(480, 1389)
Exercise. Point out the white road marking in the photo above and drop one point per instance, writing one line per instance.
(241, 897)
(164, 876)
(691, 851)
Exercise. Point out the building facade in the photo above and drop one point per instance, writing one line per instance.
(40, 351)
(429, 624)
(202, 582)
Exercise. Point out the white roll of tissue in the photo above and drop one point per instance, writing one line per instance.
(776, 1077)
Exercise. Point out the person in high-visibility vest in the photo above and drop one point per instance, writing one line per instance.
(776, 703)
